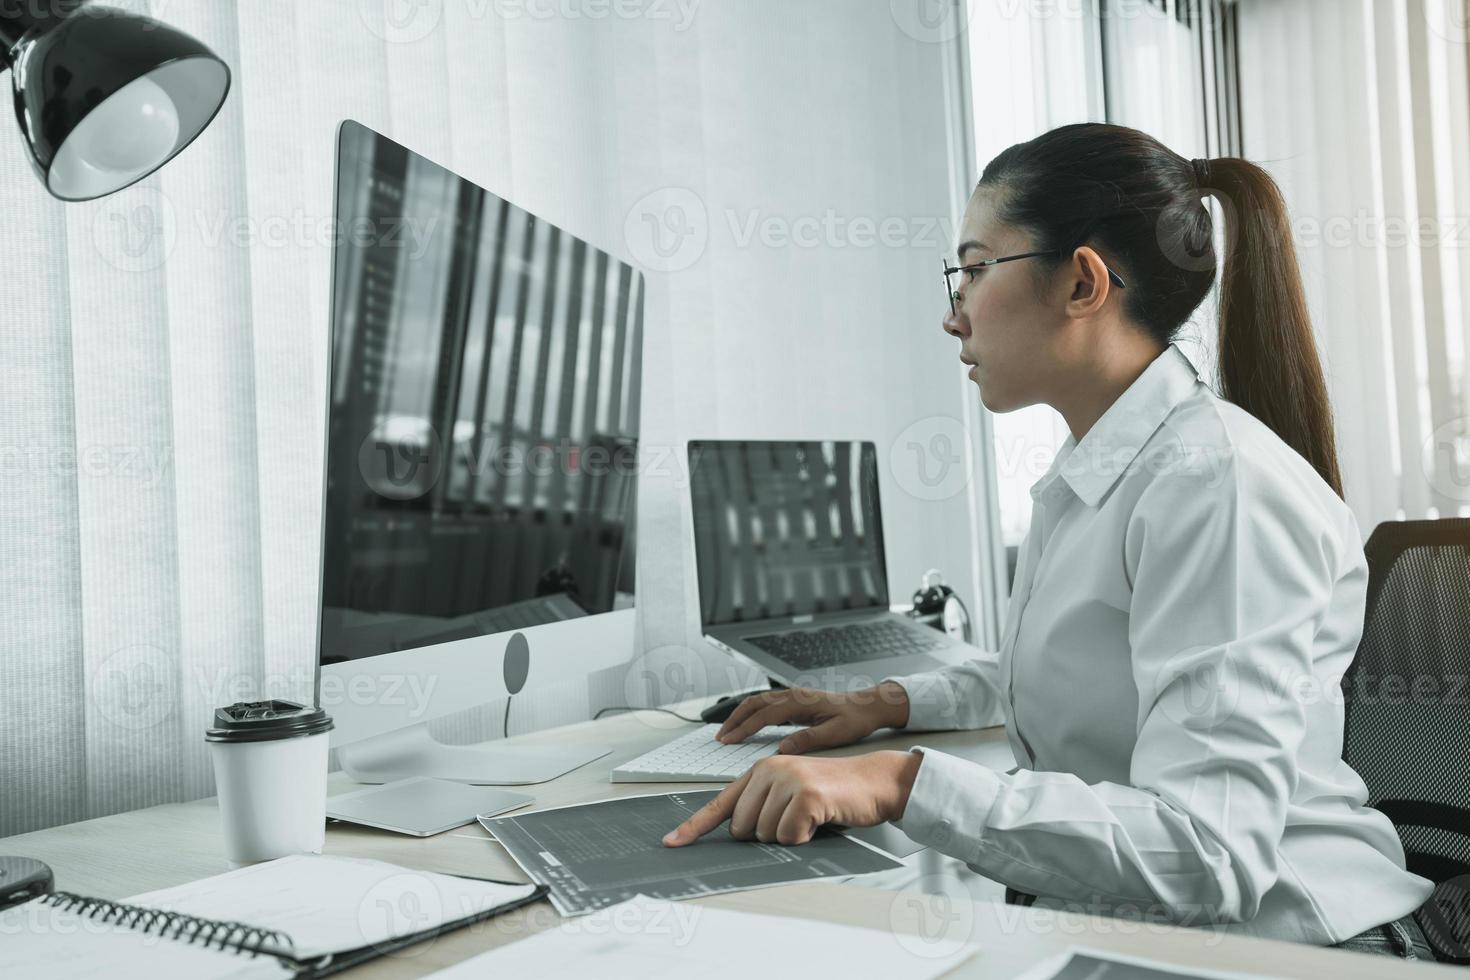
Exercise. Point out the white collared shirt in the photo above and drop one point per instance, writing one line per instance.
(1186, 602)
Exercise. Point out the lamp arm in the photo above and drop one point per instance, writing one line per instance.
(19, 17)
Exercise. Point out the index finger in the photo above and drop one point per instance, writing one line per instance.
(746, 708)
(709, 816)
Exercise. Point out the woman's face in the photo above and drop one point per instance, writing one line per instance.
(1005, 322)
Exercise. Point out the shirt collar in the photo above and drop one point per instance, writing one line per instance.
(1092, 466)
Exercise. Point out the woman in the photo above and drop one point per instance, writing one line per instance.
(1188, 597)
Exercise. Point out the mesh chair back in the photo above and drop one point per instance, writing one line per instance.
(1408, 691)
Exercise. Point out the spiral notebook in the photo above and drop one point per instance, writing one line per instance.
(297, 917)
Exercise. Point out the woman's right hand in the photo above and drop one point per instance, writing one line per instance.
(834, 719)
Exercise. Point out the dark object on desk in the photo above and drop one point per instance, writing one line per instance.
(937, 605)
(716, 713)
(1406, 730)
(22, 879)
(594, 855)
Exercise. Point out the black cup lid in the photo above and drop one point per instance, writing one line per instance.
(262, 721)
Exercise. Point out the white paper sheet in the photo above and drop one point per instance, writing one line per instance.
(1082, 963)
(648, 939)
(39, 942)
(334, 904)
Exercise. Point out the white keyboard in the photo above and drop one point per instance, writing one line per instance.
(697, 757)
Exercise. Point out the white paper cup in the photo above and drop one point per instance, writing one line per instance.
(270, 770)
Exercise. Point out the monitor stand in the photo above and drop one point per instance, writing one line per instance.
(413, 751)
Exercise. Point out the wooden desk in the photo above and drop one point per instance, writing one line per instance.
(128, 853)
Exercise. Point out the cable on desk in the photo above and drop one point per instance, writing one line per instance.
(629, 707)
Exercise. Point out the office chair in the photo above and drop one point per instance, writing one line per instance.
(1407, 702)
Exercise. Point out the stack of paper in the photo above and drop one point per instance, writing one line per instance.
(649, 939)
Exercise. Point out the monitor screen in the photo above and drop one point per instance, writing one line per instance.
(481, 454)
(786, 529)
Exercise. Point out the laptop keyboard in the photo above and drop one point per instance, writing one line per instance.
(831, 646)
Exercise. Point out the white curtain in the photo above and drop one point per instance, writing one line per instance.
(1360, 110)
(161, 429)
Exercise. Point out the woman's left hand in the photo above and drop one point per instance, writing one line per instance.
(785, 798)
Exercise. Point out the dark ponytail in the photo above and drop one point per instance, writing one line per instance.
(1268, 354)
(1140, 205)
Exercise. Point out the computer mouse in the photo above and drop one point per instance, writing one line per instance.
(722, 709)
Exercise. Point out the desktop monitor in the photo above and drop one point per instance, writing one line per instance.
(481, 449)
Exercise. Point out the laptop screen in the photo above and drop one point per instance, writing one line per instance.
(785, 529)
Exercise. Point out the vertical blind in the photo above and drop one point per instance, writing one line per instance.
(1371, 144)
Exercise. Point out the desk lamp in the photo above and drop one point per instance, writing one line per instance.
(104, 97)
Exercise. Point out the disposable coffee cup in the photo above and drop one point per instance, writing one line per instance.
(270, 769)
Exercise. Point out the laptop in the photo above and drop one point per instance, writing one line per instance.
(788, 550)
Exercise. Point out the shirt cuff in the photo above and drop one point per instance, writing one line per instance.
(949, 806)
(933, 701)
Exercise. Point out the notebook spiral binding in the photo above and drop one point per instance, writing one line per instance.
(235, 936)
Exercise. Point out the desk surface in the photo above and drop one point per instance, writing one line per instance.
(128, 853)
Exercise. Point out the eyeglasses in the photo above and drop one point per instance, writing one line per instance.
(952, 270)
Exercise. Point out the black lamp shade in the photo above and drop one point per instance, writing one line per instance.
(105, 97)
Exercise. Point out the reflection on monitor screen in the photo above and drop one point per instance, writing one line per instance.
(481, 448)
